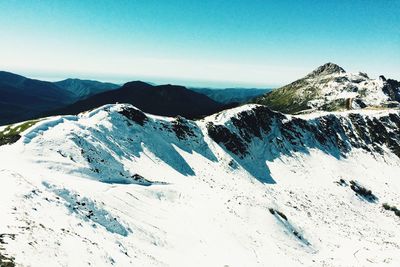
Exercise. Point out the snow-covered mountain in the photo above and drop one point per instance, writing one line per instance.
(331, 88)
(245, 187)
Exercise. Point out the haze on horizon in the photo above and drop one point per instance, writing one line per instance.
(201, 43)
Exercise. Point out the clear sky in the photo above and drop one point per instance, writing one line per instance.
(198, 42)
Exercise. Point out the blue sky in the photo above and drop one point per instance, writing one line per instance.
(212, 43)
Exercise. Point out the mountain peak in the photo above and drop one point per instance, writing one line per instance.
(136, 84)
(327, 69)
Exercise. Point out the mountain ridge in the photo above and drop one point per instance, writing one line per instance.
(292, 190)
(231, 95)
(85, 88)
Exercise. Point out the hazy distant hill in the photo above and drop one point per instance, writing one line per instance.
(85, 88)
(22, 98)
(231, 95)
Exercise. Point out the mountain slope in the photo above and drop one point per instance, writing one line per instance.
(85, 88)
(23, 98)
(244, 187)
(166, 100)
(231, 95)
(330, 88)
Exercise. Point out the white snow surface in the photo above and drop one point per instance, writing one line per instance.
(68, 196)
(352, 85)
(342, 86)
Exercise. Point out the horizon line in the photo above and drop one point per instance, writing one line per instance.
(121, 79)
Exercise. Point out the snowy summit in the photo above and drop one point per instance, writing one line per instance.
(331, 88)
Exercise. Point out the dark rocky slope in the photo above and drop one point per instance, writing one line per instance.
(22, 98)
(165, 100)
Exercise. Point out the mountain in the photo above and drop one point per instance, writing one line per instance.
(330, 88)
(231, 95)
(244, 187)
(165, 100)
(22, 98)
(85, 88)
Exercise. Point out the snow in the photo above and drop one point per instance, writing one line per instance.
(342, 86)
(376, 113)
(202, 208)
(224, 116)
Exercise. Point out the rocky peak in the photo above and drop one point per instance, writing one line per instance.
(326, 69)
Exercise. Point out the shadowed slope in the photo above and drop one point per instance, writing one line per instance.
(165, 100)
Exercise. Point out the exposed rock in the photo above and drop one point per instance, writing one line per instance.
(392, 89)
(328, 68)
(182, 128)
(231, 141)
(362, 191)
(330, 132)
(134, 115)
(9, 139)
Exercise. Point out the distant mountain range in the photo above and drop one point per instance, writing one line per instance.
(331, 88)
(165, 100)
(24, 98)
(327, 88)
(85, 88)
(231, 95)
